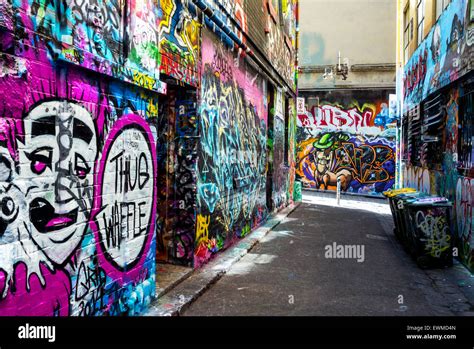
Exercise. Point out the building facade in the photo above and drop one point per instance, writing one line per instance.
(347, 123)
(134, 132)
(437, 100)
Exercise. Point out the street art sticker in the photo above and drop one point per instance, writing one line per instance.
(442, 57)
(124, 214)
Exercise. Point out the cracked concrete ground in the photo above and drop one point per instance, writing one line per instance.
(287, 272)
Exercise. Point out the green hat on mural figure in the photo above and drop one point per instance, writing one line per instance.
(326, 141)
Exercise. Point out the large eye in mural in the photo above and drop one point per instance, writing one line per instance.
(80, 167)
(5, 169)
(40, 160)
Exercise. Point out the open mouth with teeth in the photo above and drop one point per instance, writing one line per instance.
(45, 219)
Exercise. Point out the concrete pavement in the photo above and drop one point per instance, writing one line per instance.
(181, 288)
(288, 272)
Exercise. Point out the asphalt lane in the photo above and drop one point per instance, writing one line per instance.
(290, 272)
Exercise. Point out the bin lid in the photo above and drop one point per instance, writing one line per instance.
(393, 192)
(412, 196)
(433, 199)
(431, 204)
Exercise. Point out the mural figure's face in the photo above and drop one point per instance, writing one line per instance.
(46, 189)
(57, 161)
(455, 31)
(436, 43)
(323, 159)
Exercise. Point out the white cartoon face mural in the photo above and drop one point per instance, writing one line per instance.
(46, 192)
(56, 163)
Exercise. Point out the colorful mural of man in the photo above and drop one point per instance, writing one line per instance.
(326, 173)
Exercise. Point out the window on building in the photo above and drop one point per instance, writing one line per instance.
(421, 20)
(440, 6)
(466, 132)
(414, 142)
(406, 33)
(432, 127)
(287, 135)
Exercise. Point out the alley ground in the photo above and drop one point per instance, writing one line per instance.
(287, 272)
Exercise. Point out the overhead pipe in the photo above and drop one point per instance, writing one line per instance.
(212, 16)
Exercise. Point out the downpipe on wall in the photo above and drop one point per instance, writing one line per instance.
(212, 16)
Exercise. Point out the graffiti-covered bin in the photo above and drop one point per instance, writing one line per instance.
(431, 240)
(232, 150)
(423, 224)
(396, 206)
(77, 158)
(350, 136)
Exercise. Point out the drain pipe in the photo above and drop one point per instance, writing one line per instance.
(212, 16)
(338, 192)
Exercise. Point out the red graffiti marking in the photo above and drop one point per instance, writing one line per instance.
(416, 74)
(334, 116)
(178, 67)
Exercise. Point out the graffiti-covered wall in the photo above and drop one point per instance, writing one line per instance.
(440, 171)
(179, 40)
(177, 156)
(103, 166)
(281, 149)
(280, 44)
(444, 55)
(232, 151)
(348, 135)
(78, 157)
(437, 150)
